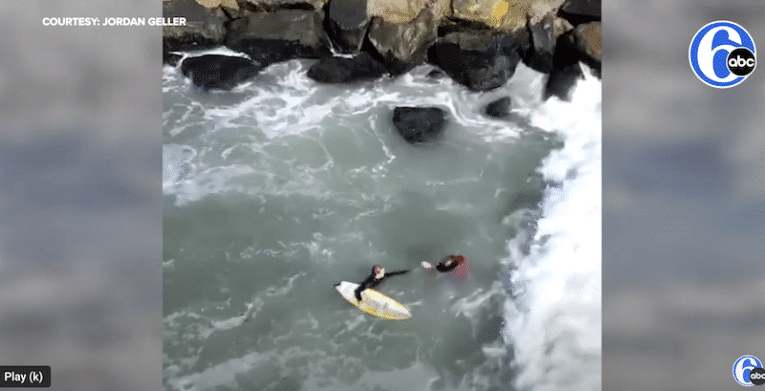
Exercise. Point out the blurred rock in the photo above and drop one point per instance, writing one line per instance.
(204, 26)
(544, 33)
(507, 16)
(217, 72)
(346, 70)
(588, 40)
(500, 108)
(580, 11)
(275, 5)
(560, 81)
(170, 58)
(347, 23)
(402, 46)
(269, 37)
(479, 60)
(566, 69)
(419, 124)
(403, 11)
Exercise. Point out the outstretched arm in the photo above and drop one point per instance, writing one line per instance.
(397, 272)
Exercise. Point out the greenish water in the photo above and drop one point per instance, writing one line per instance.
(278, 190)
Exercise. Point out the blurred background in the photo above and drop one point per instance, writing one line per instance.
(80, 195)
(80, 198)
(683, 202)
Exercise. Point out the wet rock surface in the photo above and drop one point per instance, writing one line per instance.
(217, 72)
(419, 124)
(476, 44)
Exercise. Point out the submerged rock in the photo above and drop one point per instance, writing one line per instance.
(216, 72)
(419, 124)
(269, 37)
(346, 70)
(500, 108)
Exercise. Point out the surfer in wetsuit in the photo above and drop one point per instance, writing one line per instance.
(374, 279)
(448, 264)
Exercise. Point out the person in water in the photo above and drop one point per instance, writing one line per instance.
(448, 264)
(379, 274)
(374, 279)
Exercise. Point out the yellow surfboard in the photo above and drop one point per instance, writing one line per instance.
(373, 302)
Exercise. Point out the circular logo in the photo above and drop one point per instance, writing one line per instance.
(757, 376)
(722, 54)
(741, 61)
(743, 368)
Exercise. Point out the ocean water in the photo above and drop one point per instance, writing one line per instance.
(282, 187)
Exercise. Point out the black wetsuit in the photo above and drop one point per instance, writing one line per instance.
(443, 267)
(372, 282)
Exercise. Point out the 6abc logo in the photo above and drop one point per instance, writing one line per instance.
(722, 54)
(748, 371)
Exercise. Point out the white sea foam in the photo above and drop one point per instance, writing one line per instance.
(278, 137)
(554, 320)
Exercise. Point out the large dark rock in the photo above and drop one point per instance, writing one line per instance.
(402, 46)
(204, 26)
(566, 70)
(347, 23)
(269, 37)
(419, 124)
(580, 11)
(216, 72)
(481, 61)
(500, 108)
(346, 70)
(560, 81)
(540, 57)
(588, 41)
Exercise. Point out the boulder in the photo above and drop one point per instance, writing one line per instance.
(403, 11)
(580, 11)
(276, 5)
(269, 37)
(588, 40)
(347, 22)
(402, 46)
(217, 72)
(500, 108)
(566, 69)
(204, 26)
(231, 4)
(504, 15)
(419, 124)
(346, 70)
(479, 60)
(540, 57)
(560, 81)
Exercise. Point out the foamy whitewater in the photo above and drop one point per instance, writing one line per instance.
(280, 188)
